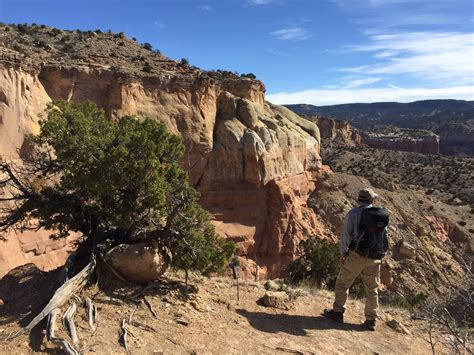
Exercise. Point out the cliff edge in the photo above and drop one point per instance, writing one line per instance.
(254, 163)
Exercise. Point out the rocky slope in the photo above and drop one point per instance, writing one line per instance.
(254, 163)
(452, 120)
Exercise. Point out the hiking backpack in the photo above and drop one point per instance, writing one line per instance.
(373, 241)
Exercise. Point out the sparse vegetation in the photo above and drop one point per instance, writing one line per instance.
(147, 68)
(249, 75)
(318, 262)
(405, 168)
(45, 44)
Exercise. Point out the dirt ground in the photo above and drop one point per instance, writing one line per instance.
(210, 320)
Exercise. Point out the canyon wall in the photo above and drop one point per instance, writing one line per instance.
(400, 140)
(254, 163)
(334, 128)
(428, 144)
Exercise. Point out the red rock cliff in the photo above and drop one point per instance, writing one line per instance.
(254, 163)
(428, 144)
(334, 128)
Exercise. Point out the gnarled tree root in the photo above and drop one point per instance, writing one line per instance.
(63, 343)
(68, 321)
(61, 296)
(91, 313)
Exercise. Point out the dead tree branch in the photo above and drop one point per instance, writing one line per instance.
(68, 320)
(63, 343)
(62, 295)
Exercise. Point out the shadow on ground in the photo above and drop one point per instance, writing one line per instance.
(24, 290)
(293, 324)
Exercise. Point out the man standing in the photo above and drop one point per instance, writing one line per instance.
(364, 243)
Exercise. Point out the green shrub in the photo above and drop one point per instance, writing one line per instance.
(18, 48)
(147, 68)
(249, 75)
(319, 262)
(147, 46)
(184, 61)
(23, 28)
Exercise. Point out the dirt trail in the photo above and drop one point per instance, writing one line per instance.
(218, 325)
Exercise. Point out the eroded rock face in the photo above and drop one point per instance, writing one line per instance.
(334, 128)
(22, 102)
(33, 247)
(427, 143)
(254, 163)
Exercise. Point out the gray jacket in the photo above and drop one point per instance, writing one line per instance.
(351, 227)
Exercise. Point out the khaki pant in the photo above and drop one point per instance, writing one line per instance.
(369, 269)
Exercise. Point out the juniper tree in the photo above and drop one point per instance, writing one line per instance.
(119, 182)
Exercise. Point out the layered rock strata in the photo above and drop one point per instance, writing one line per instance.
(254, 163)
(334, 128)
(427, 145)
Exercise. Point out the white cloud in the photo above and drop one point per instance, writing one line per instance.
(259, 2)
(205, 8)
(439, 56)
(292, 34)
(331, 97)
(360, 82)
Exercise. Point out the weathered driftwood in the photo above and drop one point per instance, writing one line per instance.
(63, 343)
(68, 321)
(91, 313)
(62, 295)
(150, 307)
(123, 335)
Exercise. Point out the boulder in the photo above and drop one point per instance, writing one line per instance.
(407, 250)
(276, 300)
(141, 262)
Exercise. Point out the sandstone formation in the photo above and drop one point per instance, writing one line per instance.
(384, 137)
(402, 139)
(33, 247)
(334, 128)
(254, 163)
(427, 145)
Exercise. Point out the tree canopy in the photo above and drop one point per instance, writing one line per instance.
(118, 181)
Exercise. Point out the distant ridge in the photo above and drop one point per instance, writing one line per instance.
(453, 120)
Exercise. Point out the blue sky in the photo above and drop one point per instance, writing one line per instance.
(305, 51)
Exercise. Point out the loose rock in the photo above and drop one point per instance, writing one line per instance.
(397, 326)
(407, 250)
(276, 300)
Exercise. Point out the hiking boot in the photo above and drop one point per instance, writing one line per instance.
(369, 325)
(335, 316)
